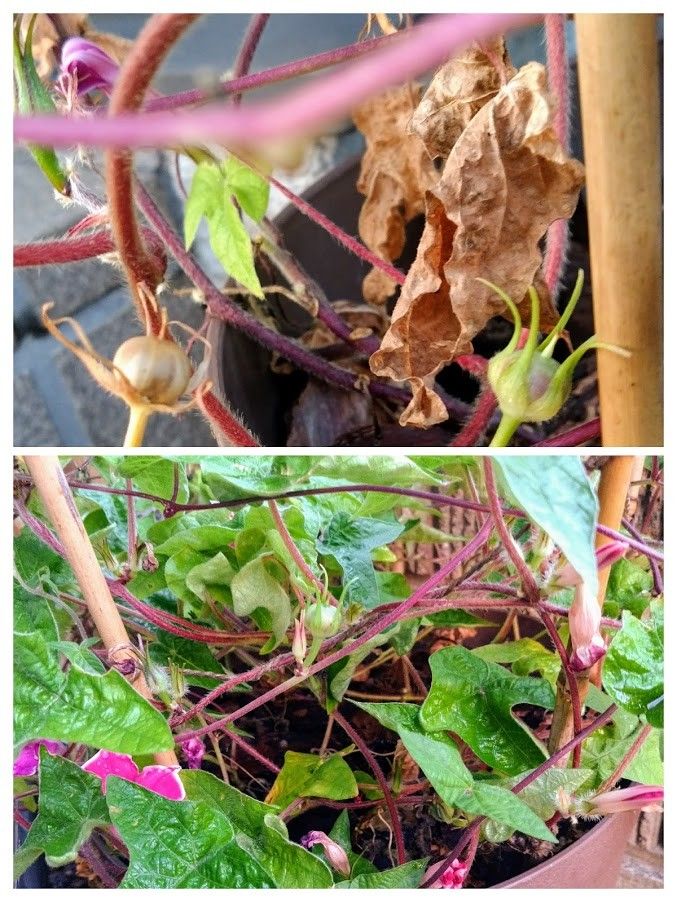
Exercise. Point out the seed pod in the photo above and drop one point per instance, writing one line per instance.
(158, 369)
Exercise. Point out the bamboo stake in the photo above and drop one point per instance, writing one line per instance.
(618, 75)
(58, 501)
(612, 493)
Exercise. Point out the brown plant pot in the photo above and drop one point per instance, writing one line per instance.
(592, 862)
(240, 368)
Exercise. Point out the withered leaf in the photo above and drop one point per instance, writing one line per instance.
(457, 92)
(506, 179)
(394, 175)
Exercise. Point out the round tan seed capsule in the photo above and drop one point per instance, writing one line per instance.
(158, 369)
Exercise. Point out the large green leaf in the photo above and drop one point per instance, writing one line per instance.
(351, 541)
(311, 776)
(556, 493)
(71, 805)
(259, 832)
(210, 537)
(474, 699)
(99, 710)
(632, 672)
(441, 762)
(406, 876)
(255, 591)
(179, 844)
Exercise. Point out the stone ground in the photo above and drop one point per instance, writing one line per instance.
(55, 402)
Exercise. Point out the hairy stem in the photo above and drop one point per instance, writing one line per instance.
(382, 782)
(228, 430)
(149, 50)
(305, 109)
(247, 50)
(81, 247)
(293, 550)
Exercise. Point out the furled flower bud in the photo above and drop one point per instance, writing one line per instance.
(585, 617)
(335, 855)
(322, 619)
(193, 751)
(26, 764)
(452, 878)
(606, 555)
(649, 798)
(89, 64)
(299, 646)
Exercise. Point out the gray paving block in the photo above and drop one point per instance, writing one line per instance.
(108, 324)
(33, 425)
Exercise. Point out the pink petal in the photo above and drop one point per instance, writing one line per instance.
(26, 764)
(627, 799)
(163, 780)
(111, 764)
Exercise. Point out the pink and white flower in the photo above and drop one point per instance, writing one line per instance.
(336, 855)
(452, 878)
(649, 798)
(162, 779)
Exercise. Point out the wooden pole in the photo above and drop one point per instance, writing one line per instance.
(618, 78)
(58, 501)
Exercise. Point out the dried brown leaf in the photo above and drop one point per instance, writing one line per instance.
(506, 179)
(458, 92)
(395, 172)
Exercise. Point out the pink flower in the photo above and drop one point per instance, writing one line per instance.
(336, 856)
(87, 62)
(452, 878)
(158, 778)
(193, 751)
(585, 615)
(640, 796)
(26, 764)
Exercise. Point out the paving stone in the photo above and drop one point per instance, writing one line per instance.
(108, 324)
(33, 425)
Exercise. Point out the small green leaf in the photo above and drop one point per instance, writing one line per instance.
(204, 197)
(153, 474)
(340, 833)
(474, 699)
(632, 672)
(441, 762)
(556, 494)
(184, 653)
(406, 876)
(33, 613)
(179, 844)
(80, 655)
(311, 776)
(526, 656)
(71, 805)
(199, 538)
(255, 591)
(629, 589)
(351, 540)
(232, 246)
(103, 711)
(251, 190)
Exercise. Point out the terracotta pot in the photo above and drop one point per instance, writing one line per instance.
(592, 862)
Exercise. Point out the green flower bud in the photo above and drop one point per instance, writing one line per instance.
(322, 620)
(31, 96)
(529, 385)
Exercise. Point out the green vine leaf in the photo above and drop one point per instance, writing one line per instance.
(258, 594)
(99, 710)
(179, 844)
(71, 804)
(306, 776)
(406, 876)
(556, 494)
(210, 195)
(474, 699)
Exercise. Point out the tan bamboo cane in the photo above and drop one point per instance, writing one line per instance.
(618, 77)
(59, 504)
